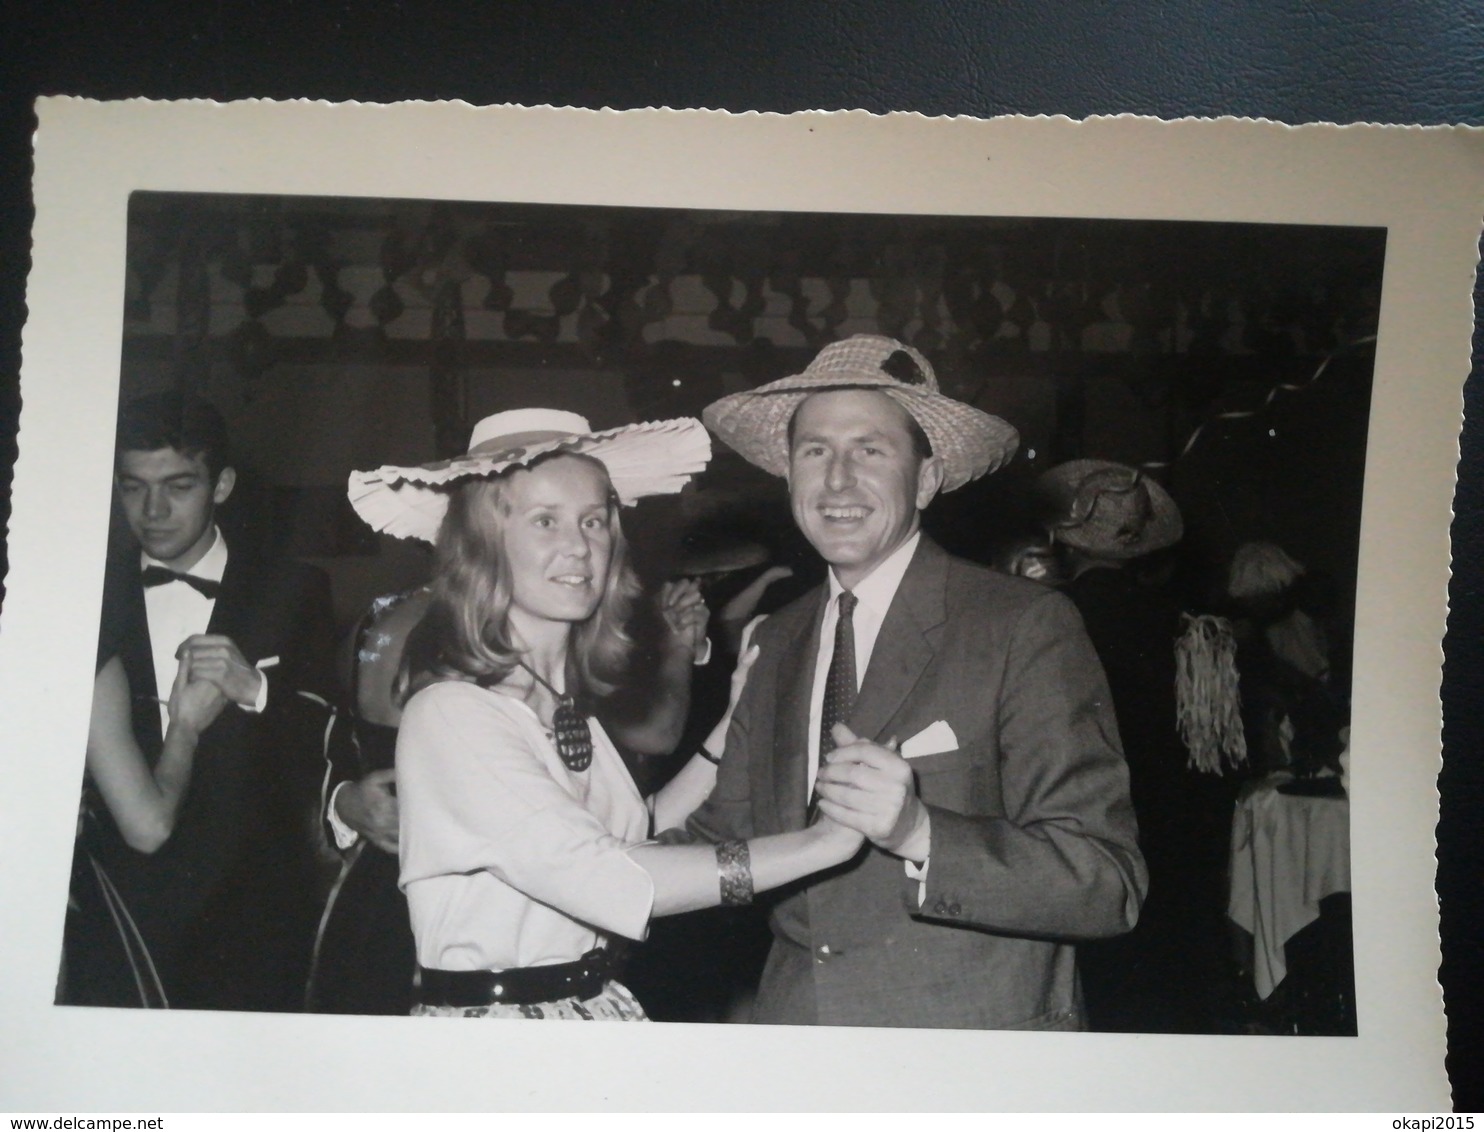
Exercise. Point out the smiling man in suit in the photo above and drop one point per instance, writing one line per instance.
(955, 716)
(226, 906)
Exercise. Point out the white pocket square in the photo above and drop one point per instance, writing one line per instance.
(934, 739)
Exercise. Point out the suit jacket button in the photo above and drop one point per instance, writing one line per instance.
(822, 952)
(954, 909)
(940, 908)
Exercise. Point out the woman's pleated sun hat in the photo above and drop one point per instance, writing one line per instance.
(649, 458)
(968, 441)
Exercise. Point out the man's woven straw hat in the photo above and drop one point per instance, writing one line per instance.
(968, 441)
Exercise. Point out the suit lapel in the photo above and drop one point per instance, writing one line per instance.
(904, 647)
(229, 612)
(790, 761)
(136, 650)
(249, 608)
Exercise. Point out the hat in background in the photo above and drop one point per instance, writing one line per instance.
(1261, 569)
(1110, 509)
(649, 458)
(967, 441)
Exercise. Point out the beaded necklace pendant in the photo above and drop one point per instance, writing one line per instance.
(574, 739)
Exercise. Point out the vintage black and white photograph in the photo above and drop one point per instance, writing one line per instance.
(1115, 468)
(879, 614)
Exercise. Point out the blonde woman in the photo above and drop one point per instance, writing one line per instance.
(525, 846)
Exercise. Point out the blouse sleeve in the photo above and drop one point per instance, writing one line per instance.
(474, 795)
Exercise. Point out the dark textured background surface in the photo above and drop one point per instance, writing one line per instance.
(1290, 61)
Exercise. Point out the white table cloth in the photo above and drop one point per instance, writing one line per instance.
(1288, 852)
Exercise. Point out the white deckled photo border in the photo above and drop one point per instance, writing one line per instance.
(1424, 185)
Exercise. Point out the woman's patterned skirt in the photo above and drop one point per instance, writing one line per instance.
(614, 1003)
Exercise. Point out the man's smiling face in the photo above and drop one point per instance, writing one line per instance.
(856, 479)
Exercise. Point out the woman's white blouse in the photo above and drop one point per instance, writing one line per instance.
(509, 859)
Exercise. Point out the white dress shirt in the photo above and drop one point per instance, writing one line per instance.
(874, 595)
(176, 611)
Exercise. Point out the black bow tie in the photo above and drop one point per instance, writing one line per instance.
(159, 576)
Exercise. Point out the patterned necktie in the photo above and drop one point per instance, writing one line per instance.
(839, 685)
(160, 576)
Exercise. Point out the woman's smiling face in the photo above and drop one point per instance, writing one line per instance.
(558, 538)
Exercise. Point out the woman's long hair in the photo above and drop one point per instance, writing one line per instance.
(465, 634)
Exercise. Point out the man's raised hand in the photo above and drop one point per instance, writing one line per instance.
(685, 613)
(213, 657)
(870, 788)
(369, 807)
(194, 704)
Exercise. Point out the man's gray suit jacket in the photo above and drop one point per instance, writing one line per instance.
(1033, 835)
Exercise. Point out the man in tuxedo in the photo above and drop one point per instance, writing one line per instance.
(955, 716)
(226, 906)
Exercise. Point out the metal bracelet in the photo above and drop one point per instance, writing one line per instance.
(734, 870)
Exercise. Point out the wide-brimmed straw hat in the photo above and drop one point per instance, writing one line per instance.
(1110, 509)
(967, 441)
(649, 458)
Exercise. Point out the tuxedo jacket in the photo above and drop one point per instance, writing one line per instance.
(1033, 842)
(227, 904)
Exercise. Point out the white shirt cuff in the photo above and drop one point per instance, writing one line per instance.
(261, 701)
(345, 837)
(703, 657)
(919, 874)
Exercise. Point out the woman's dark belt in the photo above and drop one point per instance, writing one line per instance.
(518, 986)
